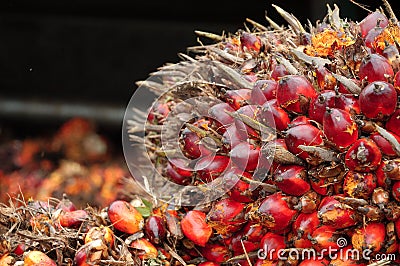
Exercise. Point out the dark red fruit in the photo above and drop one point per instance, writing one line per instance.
(359, 185)
(215, 252)
(319, 186)
(226, 216)
(250, 236)
(158, 113)
(73, 219)
(306, 135)
(236, 133)
(393, 124)
(220, 117)
(364, 156)
(315, 262)
(339, 128)
(176, 174)
(237, 98)
(348, 102)
(271, 244)
(325, 79)
(303, 227)
(278, 72)
(320, 103)
(378, 100)
(375, 67)
(155, 229)
(238, 189)
(371, 21)
(250, 42)
(210, 167)
(193, 146)
(274, 116)
(294, 93)
(263, 90)
(385, 147)
(195, 228)
(66, 204)
(396, 82)
(325, 238)
(335, 214)
(245, 156)
(396, 190)
(370, 39)
(370, 236)
(291, 179)
(274, 212)
(300, 120)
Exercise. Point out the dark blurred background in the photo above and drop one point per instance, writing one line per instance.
(63, 58)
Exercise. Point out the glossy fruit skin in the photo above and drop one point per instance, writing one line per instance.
(215, 252)
(363, 156)
(396, 82)
(307, 135)
(375, 68)
(335, 214)
(263, 90)
(378, 100)
(278, 72)
(195, 228)
(316, 262)
(66, 204)
(303, 227)
(319, 104)
(250, 42)
(238, 190)
(291, 179)
(274, 116)
(371, 237)
(396, 191)
(250, 235)
(178, 177)
(371, 21)
(226, 216)
(221, 119)
(325, 79)
(210, 167)
(325, 238)
(274, 212)
(36, 257)
(393, 123)
(384, 146)
(125, 217)
(237, 98)
(271, 243)
(294, 93)
(155, 229)
(144, 249)
(359, 185)
(192, 146)
(73, 219)
(105, 234)
(339, 128)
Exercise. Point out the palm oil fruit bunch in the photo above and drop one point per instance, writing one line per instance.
(292, 135)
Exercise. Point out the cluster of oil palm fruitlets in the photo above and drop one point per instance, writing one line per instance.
(303, 127)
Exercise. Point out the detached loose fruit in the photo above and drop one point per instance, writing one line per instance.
(124, 217)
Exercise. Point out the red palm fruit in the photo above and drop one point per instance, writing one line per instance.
(378, 100)
(396, 82)
(278, 72)
(274, 212)
(263, 90)
(335, 214)
(236, 133)
(250, 236)
(173, 224)
(144, 249)
(347, 257)
(393, 123)
(363, 156)
(208, 263)
(291, 179)
(105, 234)
(307, 135)
(272, 244)
(36, 257)
(210, 167)
(375, 67)
(66, 204)
(314, 262)
(294, 93)
(385, 147)
(158, 112)
(250, 42)
(220, 119)
(318, 105)
(325, 238)
(155, 229)
(359, 185)
(245, 156)
(19, 249)
(300, 120)
(370, 236)
(73, 219)
(309, 202)
(348, 102)
(371, 37)
(7, 260)
(274, 116)
(237, 98)
(339, 128)
(195, 228)
(124, 217)
(180, 177)
(325, 79)
(303, 227)
(215, 252)
(226, 216)
(370, 21)
(238, 189)
(343, 89)
(193, 146)
(382, 176)
(391, 53)
(319, 186)
(396, 190)
(397, 227)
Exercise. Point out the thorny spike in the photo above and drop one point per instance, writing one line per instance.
(273, 24)
(209, 35)
(257, 25)
(292, 20)
(390, 10)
